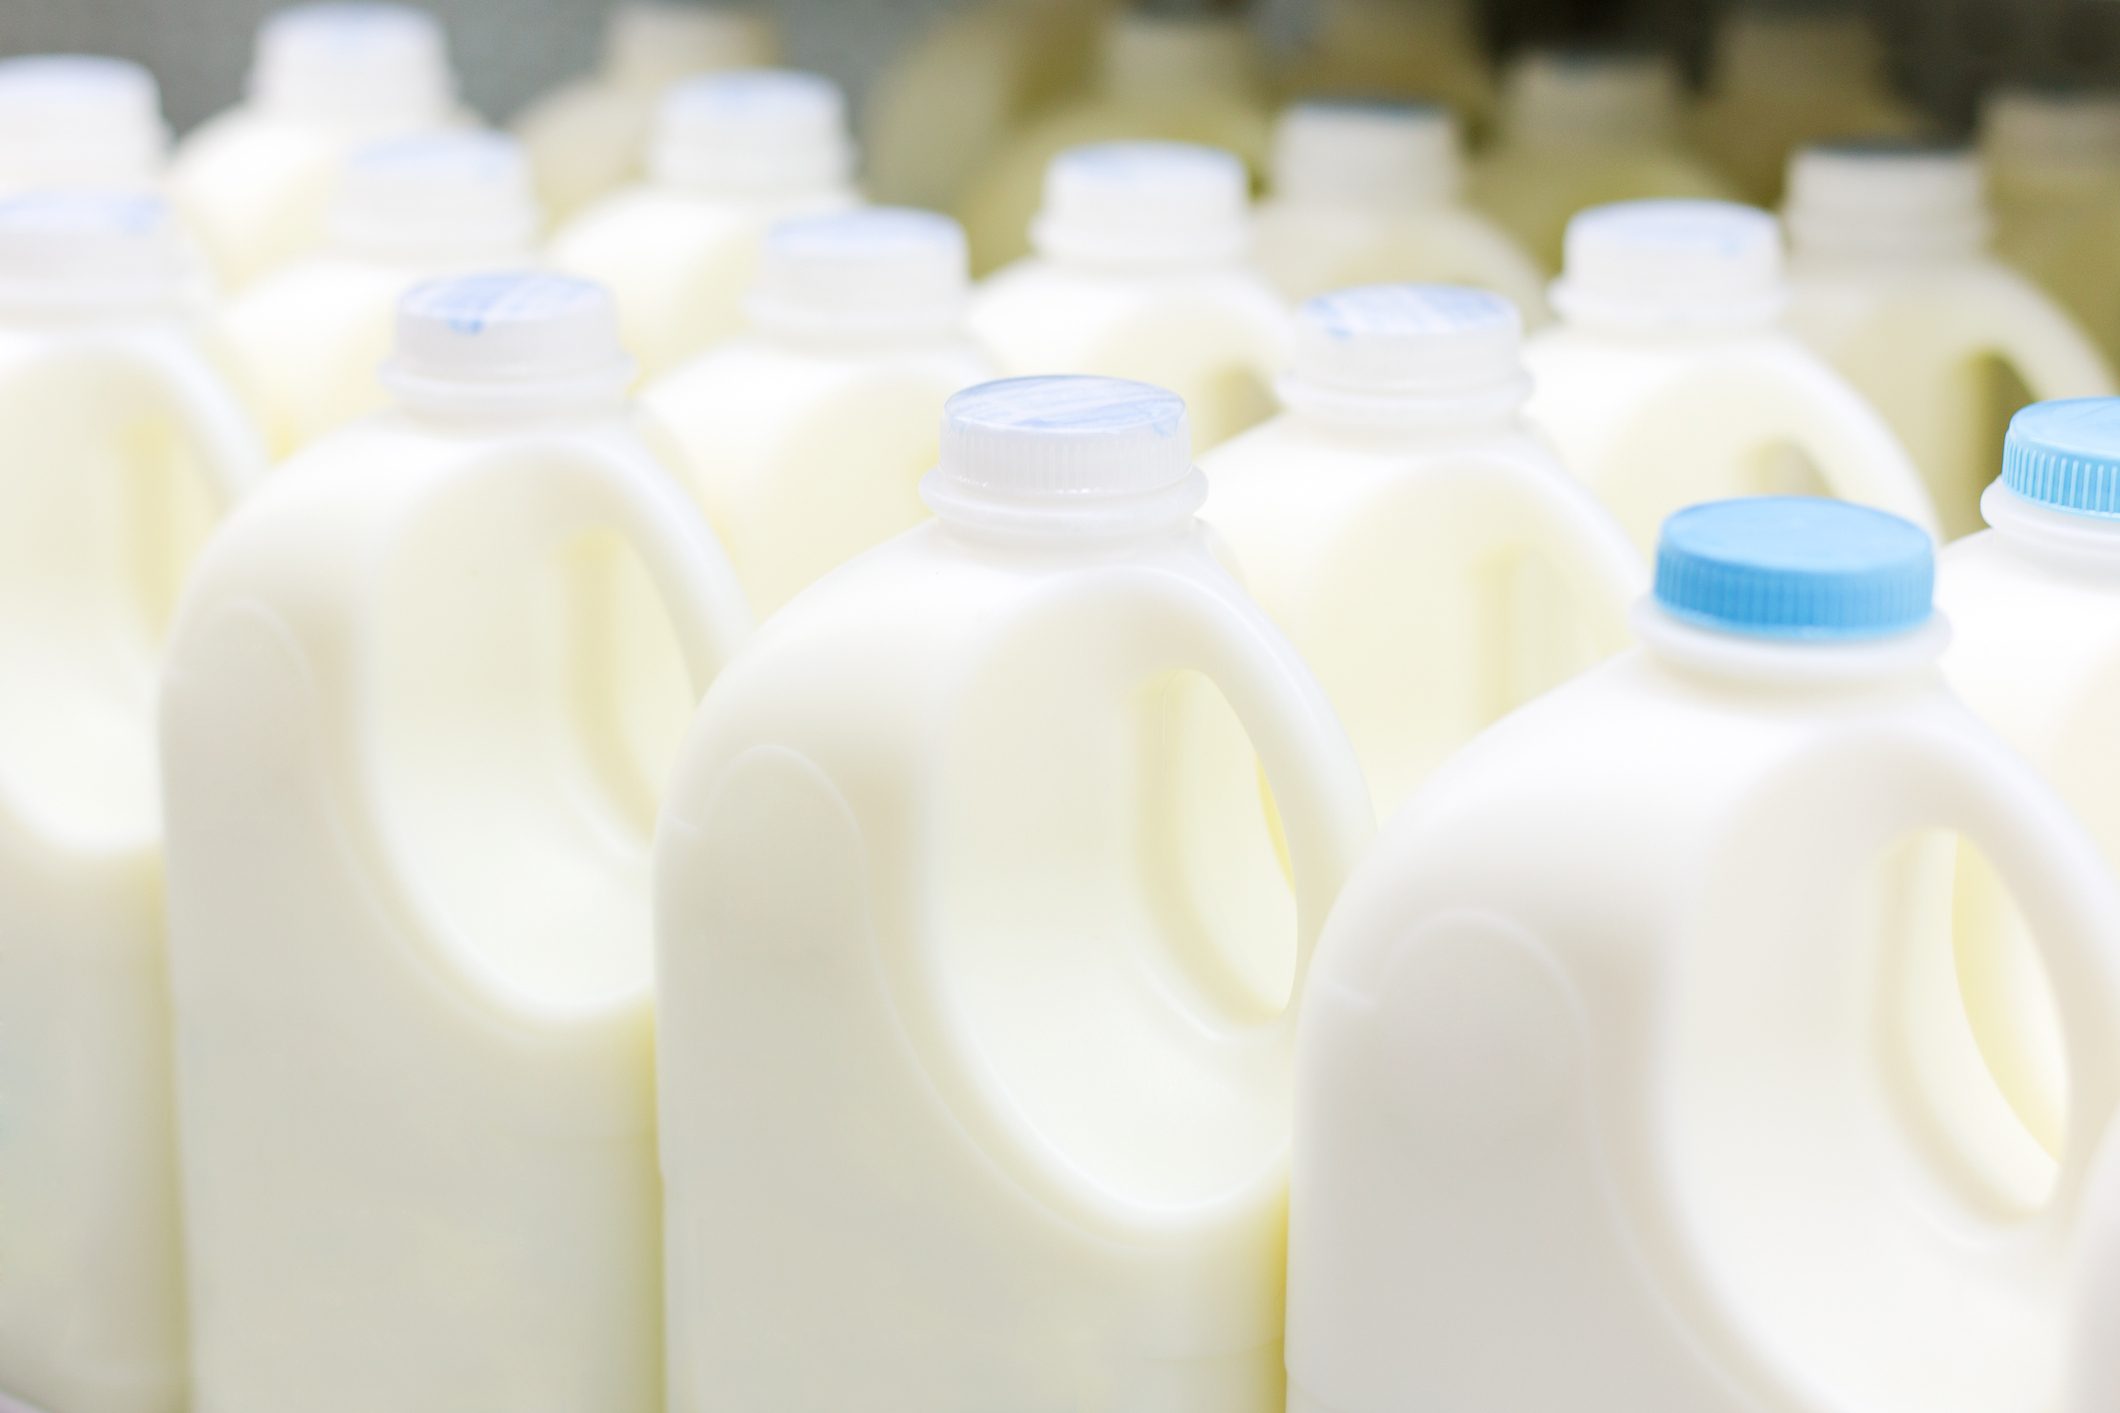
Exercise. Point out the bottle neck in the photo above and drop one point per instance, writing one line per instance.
(1049, 526)
(1783, 665)
(2057, 538)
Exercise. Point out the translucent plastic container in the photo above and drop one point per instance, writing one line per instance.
(1427, 50)
(2053, 165)
(82, 121)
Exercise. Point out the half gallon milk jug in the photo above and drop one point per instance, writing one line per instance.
(590, 136)
(1668, 380)
(79, 120)
(308, 338)
(974, 1088)
(1420, 49)
(733, 153)
(1432, 561)
(806, 439)
(1140, 272)
(256, 183)
(1369, 193)
(1891, 280)
(1584, 127)
(1625, 1066)
(119, 445)
(410, 815)
(2053, 164)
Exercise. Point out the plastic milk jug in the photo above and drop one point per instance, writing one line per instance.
(806, 439)
(1632, 1060)
(119, 445)
(1369, 193)
(977, 955)
(733, 153)
(255, 184)
(1420, 49)
(1417, 541)
(410, 802)
(590, 136)
(1140, 272)
(2053, 165)
(79, 120)
(1668, 379)
(308, 338)
(1890, 279)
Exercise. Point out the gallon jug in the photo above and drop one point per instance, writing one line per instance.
(119, 445)
(1140, 272)
(590, 136)
(1891, 281)
(307, 338)
(1634, 1042)
(1420, 49)
(1585, 127)
(733, 153)
(982, 899)
(1165, 75)
(806, 438)
(1417, 541)
(1668, 381)
(79, 120)
(2053, 164)
(410, 799)
(1369, 193)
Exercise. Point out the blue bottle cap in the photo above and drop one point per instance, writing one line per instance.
(1795, 568)
(2066, 455)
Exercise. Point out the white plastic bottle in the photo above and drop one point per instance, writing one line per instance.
(119, 445)
(1411, 533)
(409, 816)
(806, 439)
(733, 153)
(79, 120)
(1140, 272)
(1631, 1062)
(589, 137)
(1891, 281)
(1669, 380)
(1369, 193)
(255, 183)
(976, 952)
(307, 339)
(2053, 164)
(1410, 49)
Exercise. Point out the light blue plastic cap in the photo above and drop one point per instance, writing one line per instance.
(1795, 567)
(2066, 455)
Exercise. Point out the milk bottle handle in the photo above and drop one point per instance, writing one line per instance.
(231, 449)
(2049, 350)
(1855, 449)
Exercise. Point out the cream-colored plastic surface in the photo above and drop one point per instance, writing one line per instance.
(2053, 166)
(1421, 49)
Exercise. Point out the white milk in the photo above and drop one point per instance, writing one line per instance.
(1140, 272)
(732, 154)
(1370, 193)
(1420, 49)
(255, 183)
(2053, 165)
(410, 809)
(1890, 279)
(806, 439)
(590, 136)
(1669, 381)
(1632, 1061)
(119, 445)
(306, 340)
(975, 950)
(79, 120)
(1580, 128)
(1411, 533)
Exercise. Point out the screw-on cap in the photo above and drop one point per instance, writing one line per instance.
(1672, 264)
(2065, 455)
(1795, 567)
(650, 43)
(355, 61)
(1886, 199)
(1143, 202)
(508, 340)
(1387, 353)
(2051, 127)
(766, 132)
(454, 195)
(1380, 156)
(870, 271)
(1566, 97)
(79, 120)
(85, 252)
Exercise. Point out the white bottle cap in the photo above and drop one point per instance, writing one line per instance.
(454, 195)
(511, 341)
(1068, 454)
(93, 252)
(753, 132)
(651, 43)
(1886, 199)
(2050, 127)
(1153, 54)
(354, 61)
(1672, 265)
(874, 271)
(1143, 202)
(79, 120)
(1392, 354)
(1377, 156)
(1586, 97)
